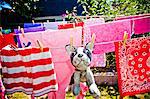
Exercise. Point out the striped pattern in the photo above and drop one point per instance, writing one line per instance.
(28, 70)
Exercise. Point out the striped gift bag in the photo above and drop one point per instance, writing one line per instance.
(28, 70)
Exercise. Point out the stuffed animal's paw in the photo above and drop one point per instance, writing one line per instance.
(94, 90)
(76, 89)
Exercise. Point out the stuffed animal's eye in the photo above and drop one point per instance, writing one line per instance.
(86, 51)
(73, 53)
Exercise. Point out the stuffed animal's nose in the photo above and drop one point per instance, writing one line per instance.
(80, 55)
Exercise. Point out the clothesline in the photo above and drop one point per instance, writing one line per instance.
(110, 42)
(101, 43)
(94, 44)
(132, 31)
(82, 45)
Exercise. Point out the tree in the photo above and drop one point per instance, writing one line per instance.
(25, 8)
(114, 7)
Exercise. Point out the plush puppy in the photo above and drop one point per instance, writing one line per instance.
(81, 58)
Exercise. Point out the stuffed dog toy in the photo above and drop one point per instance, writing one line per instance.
(81, 58)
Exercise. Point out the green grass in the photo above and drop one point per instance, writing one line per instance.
(106, 95)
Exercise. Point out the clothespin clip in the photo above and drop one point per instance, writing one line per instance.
(47, 21)
(19, 28)
(33, 21)
(93, 40)
(22, 31)
(40, 45)
(71, 42)
(125, 37)
(1, 33)
(74, 25)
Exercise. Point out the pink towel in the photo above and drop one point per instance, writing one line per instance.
(56, 41)
(98, 60)
(141, 25)
(106, 33)
(132, 16)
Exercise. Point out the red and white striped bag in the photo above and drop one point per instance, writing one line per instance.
(28, 70)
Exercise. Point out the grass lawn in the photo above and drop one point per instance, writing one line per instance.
(106, 95)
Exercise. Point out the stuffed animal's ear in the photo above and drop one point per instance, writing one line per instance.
(90, 46)
(70, 49)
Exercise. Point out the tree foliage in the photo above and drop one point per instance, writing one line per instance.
(143, 6)
(114, 7)
(25, 8)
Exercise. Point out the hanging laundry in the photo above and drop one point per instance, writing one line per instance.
(6, 39)
(56, 41)
(28, 70)
(2, 88)
(26, 30)
(141, 25)
(70, 25)
(53, 25)
(106, 34)
(27, 25)
(131, 17)
(30, 29)
(133, 66)
(93, 21)
(98, 60)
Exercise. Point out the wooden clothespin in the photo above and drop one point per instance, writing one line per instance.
(40, 45)
(125, 37)
(22, 32)
(1, 33)
(74, 25)
(19, 28)
(47, 21)
(33, 21)
(93, 40)
(71, 42)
